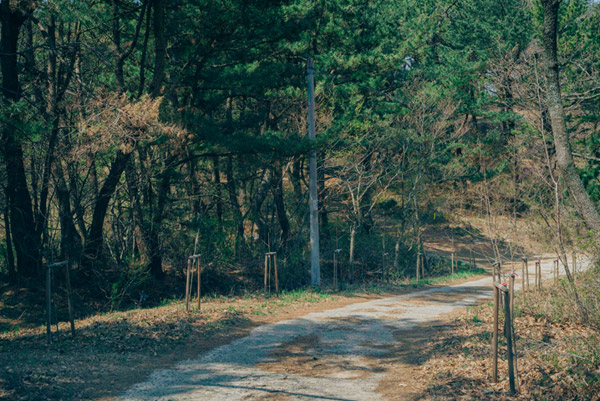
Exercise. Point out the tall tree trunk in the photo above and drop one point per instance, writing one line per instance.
(351, 252)
(153, 246)
(218, 196)
(148, 229)
(235, 205)
(70, 239)
(160, 47)
(24, 236)
(582, 201)
(94, 238)
(296, 179)
(284, 222)
(256, 204)
(10, 258)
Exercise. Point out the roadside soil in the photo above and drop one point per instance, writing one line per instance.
(111, 352)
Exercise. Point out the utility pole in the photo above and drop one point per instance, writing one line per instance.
(315, 269)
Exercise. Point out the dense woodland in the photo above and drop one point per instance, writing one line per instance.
(138, 132)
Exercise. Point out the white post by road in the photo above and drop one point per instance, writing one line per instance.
(315, 269)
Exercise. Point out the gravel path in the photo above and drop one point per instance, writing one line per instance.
(343, 339)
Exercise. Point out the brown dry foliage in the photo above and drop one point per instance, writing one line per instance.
(118, 122)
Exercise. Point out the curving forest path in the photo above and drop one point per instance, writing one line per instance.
(363, 351)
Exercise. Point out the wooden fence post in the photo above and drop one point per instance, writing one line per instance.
(276, 278)
(511, 288)
(199, 282)
(418, 267)
(509, 342)
(266, 274)
(187, 286)
(495, 336)
(384, 266)
(525, 277)
(500, 289)
(49, 278)
(193, 263)
(271, 272)
(69, 300)
(337, 271)
(496, 273)
(512, 314)
(499, 271)
(48, 304)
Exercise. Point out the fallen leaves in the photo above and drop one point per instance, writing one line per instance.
(557, 360)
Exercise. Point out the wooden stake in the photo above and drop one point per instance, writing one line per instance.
(509, 341)
(499, 272)
(266, 271)
(525, 278)
(574, 267)
(511, 288)
(512, 325)
(69, 300)
(418, 267)
(199, 282)
(270, 270)
(187, 287)
(495, 336)
(276, 279)
(337, 270)
(48, 304)
(496, 272)
(452, 262)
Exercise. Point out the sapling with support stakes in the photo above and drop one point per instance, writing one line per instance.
(525, 277)
(420, 266)
(384, 267)
(49, 279)
(193, 266)
(503, 291)
(271, 272)
(538, 275)
(337, 273)
(496, 272)
(511, 325)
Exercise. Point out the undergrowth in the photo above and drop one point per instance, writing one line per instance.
(558, 351)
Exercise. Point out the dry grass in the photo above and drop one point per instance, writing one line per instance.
(115, 350)
(559, 358)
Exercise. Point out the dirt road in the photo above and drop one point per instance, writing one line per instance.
(338, 354)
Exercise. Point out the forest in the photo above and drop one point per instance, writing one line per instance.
(136, 133)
